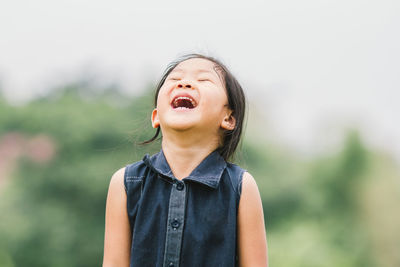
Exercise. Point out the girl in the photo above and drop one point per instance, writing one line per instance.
(186, 205)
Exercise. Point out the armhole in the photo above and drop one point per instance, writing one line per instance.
(240, 182)
(236, 183)
(125, 175)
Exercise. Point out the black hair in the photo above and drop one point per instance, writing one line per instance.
(236, 103)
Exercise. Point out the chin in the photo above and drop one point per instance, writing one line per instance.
(177, 125)
(180, 127)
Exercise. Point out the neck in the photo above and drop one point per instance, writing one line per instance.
(185, 152)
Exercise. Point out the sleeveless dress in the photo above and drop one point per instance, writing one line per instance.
(189, 222)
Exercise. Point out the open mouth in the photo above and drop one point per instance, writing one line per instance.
(183, 102)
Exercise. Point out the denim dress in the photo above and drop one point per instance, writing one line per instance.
(189, 222)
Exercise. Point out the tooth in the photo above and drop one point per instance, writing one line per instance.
(186, 98)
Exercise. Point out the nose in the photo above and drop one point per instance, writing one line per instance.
(184, 85)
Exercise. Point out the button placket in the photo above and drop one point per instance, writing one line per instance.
(175, 223)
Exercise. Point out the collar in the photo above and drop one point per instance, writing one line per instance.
(208, 172)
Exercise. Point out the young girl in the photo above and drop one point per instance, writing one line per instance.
(186, 205)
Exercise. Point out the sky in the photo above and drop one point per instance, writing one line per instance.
(310, 68)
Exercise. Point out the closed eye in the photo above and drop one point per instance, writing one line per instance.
(204, 80)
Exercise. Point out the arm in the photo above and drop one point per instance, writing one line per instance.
(117, 238)
(252, 242)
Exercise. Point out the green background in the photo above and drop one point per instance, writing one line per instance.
(337, 208)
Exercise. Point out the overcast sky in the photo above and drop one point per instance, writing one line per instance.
(310, 67)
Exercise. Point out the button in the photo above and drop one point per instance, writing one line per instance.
(175, 223)
(171, 264)
(180, 186)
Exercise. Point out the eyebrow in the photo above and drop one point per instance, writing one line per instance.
(214, 72)
(198, 71)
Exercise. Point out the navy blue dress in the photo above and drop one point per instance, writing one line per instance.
(189, 222)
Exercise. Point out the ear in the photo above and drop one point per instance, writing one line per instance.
(155, 122)
(229, 121)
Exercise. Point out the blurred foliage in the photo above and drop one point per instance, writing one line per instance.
(318, 212)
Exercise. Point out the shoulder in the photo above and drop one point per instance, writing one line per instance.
(250, 203)
(134, 175)
(137, 168)
(126, 173)
(117, 179)
(249, 184)
(250, 194)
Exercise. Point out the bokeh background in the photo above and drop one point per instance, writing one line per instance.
(323, 135)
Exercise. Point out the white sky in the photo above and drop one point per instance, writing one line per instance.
(310, 67)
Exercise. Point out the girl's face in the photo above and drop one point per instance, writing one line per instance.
(193, 96)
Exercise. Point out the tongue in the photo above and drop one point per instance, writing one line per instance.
(183, 103)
